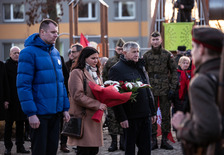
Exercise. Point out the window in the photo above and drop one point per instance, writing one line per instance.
(14, 12)
(124, 10)
(87, 11)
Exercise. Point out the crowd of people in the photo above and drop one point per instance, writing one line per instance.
(38, 87)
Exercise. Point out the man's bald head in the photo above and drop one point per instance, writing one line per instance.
(14, 53)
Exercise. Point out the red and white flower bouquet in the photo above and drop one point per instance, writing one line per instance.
(115, 93)
(123, 87)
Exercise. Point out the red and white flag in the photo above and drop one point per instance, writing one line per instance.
(159, 121)
(83, 41)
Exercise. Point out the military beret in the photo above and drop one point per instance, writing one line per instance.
(181, 48)
(120, 42)
(155, 34)
(209, 37)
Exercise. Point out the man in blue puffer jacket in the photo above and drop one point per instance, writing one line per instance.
(41, 89)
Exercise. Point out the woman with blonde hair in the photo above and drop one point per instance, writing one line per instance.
(181, 92)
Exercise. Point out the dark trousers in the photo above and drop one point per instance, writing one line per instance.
(8, 134)
(165, 112)
(87, 150)
(184, 16)
(62, 137)
(44, 140)
(139, 133)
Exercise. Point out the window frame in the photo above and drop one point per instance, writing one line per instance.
(12, 19)
(120, 17)
(89, 12)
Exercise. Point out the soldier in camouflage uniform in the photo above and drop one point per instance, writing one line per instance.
(113, 126)
(162, 71)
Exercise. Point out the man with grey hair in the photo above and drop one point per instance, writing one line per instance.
(135, 117)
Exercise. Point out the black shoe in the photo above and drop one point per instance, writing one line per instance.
(7, 152)
(22, 150)
(113, 146)
(122, 148)
(154, 143)
(164, 144)
(64, 148)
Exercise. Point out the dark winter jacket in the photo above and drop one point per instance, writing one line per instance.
(69, 64)
(40, 80)
(4, 90)
(130, 71)
(14, 112)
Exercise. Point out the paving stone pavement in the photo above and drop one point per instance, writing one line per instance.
(103, 150)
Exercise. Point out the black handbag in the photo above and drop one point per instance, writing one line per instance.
(74, 127)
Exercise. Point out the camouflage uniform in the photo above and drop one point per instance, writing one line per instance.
(110, 62)
(114, 127)
(161, 68)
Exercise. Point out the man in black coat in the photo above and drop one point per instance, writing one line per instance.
(184, 10)
(4, 91)
(135, 117)
(13, 109)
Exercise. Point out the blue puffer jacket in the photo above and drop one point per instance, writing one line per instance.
(40, 81)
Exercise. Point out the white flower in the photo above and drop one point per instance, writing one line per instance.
(108, 82)
(139, 83)
(116, 87)
(144, 86)
(116, 83)
(129, 85)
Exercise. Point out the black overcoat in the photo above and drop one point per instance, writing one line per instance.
(144, 106)
(4, 96)
(14, 112)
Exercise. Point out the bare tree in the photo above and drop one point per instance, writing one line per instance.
(40, 9)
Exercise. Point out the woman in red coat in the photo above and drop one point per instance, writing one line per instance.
(181, 95)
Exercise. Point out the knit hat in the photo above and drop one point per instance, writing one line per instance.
(211, 38)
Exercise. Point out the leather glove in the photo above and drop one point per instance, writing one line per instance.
(171, 95)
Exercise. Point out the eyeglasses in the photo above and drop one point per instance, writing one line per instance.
(119, 49)
(74, 51)
(16, 53)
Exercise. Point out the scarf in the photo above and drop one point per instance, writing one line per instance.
(183, 82)
(92, 72)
